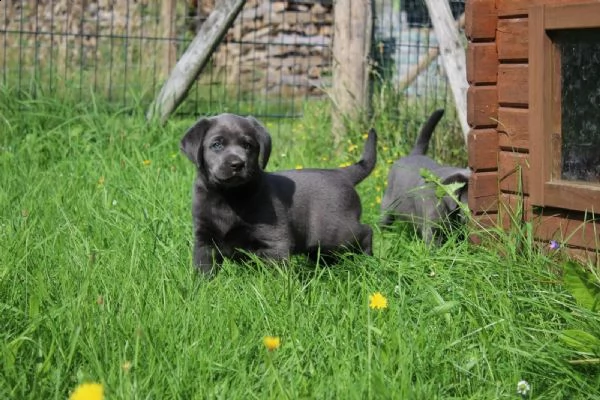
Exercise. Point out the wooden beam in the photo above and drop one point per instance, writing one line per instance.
(482, 63)
(483, 192)
(481, 19)
(453, 57)
(513, 172)
(483, 149)
(512, 39)
(194, 59)
(513, 85)
(513, 129)
(483, 106)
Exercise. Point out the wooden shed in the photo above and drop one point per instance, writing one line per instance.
(533, 68)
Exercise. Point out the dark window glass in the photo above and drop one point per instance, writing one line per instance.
(580, 103)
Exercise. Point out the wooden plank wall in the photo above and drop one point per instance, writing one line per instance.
(498, 100)
(482, 109)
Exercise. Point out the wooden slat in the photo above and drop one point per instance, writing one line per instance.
(482, 106)
(507, 8)
(483, 192)
(568, 228)
(580, 196)
(512, 40)
(537, 107)
(585, 256)
(479, 226)
(513, 84)
(482, 63)
(483, 149)
(513, 172)
(513, 209)
(569, 16)
(513, 128)
(480, 20)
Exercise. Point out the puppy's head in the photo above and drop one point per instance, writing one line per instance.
(228, 150)
(450, 175)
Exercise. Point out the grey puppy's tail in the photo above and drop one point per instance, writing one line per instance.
(359, 171)
(422, 143)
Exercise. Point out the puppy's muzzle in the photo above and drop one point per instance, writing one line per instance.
(237, 165)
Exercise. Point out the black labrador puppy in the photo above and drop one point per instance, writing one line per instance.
(236, 205)
(410, 197)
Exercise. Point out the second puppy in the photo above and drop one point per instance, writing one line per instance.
(408, 196)
(237, 206)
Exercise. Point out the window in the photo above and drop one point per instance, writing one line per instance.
(564, 106)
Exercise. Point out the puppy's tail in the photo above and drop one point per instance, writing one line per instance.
(359, 171)
(422, 143)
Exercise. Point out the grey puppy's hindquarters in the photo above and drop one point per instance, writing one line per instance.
(410, 197)
(237, 206)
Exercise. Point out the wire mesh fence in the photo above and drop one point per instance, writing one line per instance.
(275, 58)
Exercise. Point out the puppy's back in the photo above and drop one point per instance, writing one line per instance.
(322, 206)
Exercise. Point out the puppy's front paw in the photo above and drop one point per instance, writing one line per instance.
(204, 261)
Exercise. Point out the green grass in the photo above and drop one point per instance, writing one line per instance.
(95, 272)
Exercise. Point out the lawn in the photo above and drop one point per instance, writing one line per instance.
(96, 283)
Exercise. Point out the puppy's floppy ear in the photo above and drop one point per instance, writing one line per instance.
(452, 175)
(264, 141)
(191, 143)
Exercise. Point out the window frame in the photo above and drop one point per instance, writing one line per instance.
(547, 188)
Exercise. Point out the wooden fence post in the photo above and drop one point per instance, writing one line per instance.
(352, 37)
(167, 33)
(453, 56)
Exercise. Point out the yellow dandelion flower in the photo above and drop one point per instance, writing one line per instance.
(88, 391)
(378, 199)
(389, 161)
(101, 181)
(345, 164)
(352, 147)
(378, 188)
(146, 162)
(324, 158)
(272, 342)
(377, 301)
(365, 136)
(385, 148)
(299, 166)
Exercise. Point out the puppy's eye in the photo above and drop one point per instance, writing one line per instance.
(216, 146)
(247, 145)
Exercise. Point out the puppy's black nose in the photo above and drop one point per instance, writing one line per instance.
(236, 164)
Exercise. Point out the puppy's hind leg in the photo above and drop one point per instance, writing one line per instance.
(275, 251)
